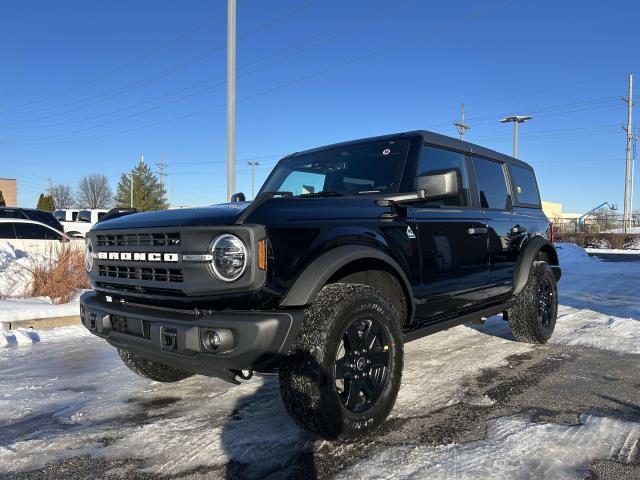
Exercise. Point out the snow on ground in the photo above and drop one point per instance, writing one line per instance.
(14, 309)
(514, 448)
(615, 251)
(15, 275)
(29, 336)
(71, 396)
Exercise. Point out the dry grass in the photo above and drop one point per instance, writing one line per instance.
(601, 240)
(60, 277)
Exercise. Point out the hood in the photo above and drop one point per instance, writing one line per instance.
(222, 214)
(275, 210)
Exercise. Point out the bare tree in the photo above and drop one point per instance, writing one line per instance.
(94, 192)
(62, 196)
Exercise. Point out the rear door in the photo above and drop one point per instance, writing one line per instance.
(506, 228)
(453, 240)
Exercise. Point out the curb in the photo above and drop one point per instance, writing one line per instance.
(43, 323)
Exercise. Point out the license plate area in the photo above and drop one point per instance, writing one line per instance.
(131, 326)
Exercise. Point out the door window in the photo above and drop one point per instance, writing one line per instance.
(434, 160)
(525, 187)
(33, 231)
(6, 231)
(492, 186)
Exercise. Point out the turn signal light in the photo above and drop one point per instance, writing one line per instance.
(262, 254)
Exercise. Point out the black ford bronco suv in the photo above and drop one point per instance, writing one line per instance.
(347, 252)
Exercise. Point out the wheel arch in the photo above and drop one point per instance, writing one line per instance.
(353, 264)
(534, 249)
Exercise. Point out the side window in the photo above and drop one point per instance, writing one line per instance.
(101, 215)
(33, 231)
(6, 231)
(303, 183)
(434, 160)
(525, 187)
(492, 186)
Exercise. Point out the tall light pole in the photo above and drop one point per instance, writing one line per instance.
(516, 119)
(626, 218)
(231, 98)
(253, 166)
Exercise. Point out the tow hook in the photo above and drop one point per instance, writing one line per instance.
(169, 338)
(243, 374)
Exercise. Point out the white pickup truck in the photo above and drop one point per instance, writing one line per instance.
(77, 223)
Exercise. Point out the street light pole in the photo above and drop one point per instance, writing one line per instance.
(515, 119)
(253, 177)
(231, 98)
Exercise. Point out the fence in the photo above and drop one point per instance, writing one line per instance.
(597, 224)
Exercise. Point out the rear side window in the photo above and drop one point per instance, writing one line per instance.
(492, 186)
(437, 160)
(33, 231)
(6, 231)
(525, 187)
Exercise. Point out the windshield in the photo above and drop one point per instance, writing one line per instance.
(361, 169)
(84, 216)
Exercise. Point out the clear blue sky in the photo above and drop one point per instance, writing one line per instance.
(90, 86)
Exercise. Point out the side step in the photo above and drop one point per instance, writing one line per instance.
(423, 331)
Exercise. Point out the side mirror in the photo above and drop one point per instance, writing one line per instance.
(441, 184)
(238, 197)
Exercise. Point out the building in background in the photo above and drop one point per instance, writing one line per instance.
(9, 189)
(554, 212)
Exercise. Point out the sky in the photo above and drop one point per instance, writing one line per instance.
(89, 87)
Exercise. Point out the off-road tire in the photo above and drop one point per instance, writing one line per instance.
(307, 381)
(525, 319)
(152, 370)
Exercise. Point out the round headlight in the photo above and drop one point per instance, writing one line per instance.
(229, 257)
(88, 256)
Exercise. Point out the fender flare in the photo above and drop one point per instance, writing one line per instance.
(319, 271)
(528, 254)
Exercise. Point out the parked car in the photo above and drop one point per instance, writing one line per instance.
(348, 251)
(47, 218)
(82, 220)
(30, 235)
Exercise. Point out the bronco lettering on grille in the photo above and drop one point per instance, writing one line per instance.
(139, 256)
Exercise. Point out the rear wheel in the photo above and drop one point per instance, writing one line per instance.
(152, 370)
(532, 319)
(342, 377)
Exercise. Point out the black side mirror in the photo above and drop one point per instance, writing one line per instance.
(441, 184)
(238, 197)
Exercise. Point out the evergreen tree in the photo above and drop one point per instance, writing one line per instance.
(147, 192)
(40, 205)
(2, 202)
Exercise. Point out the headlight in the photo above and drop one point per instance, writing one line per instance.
(229, 257)
(88, 256)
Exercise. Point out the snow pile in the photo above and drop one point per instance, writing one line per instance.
(29, 336)
(14, 309)
(21, 336)
(571, 253)
(15, 274)
(514, 448)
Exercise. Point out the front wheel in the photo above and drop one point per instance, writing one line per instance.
(532, 318)
(342, 377)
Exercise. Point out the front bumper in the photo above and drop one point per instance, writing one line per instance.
(251, 340)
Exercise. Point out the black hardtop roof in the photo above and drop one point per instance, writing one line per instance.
(432, 138)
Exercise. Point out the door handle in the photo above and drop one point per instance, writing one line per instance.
(477, 230)
(518, 229)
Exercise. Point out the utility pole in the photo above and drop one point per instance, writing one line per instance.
(253, 166)
(231, 98)
(461, 126)
(131, 189)
(50, 186)
(626, 218)
(161, 173)
(516, 119)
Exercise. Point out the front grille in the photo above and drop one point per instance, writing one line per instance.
(155, 239)
(142, 273)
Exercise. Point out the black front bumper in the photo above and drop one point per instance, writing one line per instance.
(252, 340)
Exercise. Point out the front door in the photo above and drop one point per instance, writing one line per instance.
(453, 242)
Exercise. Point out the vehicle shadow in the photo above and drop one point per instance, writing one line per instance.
(495, 326)
(263, 441)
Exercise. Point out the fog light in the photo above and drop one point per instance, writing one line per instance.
(211, 340)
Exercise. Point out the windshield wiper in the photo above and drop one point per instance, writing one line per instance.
(323, 194)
